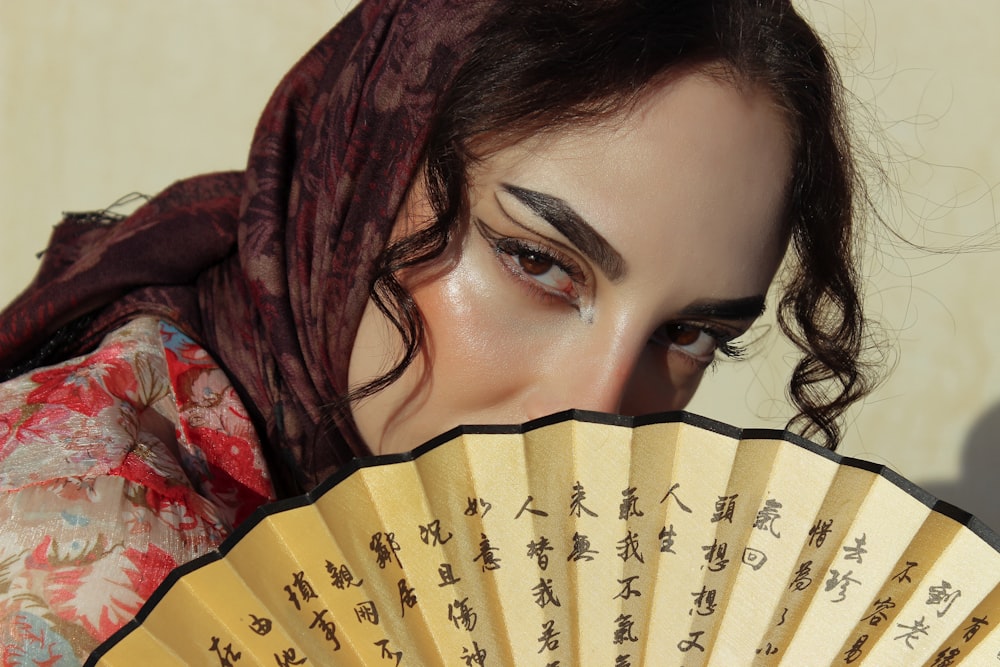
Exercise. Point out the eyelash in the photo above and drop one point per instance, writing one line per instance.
(732, 349)
(725, 343)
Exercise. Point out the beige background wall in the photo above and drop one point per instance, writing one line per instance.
(104, 98)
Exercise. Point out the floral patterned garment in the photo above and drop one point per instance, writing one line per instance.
(114, 468)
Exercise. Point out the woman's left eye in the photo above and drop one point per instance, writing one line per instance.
(696, 340)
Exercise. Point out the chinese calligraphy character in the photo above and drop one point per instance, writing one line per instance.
(754, 558)
(328, 628)
(366, 611)
(525, 508)
(261, 626)
(490, 560)
(477, 656)
(288, 658)
(686, 645)
(666, 537)
(407, 597)
(913, 632)
(819, 532)
(537, 550)
(461, 615)
(845, 580)
(879, 615)
(549, 640)
(387, 654)
(938, 595)
(724, 508)
(473, 507)
(305, 589)
(544, 594)
(581, 548)
(623, 660)
(623, 632)
(627, 591)
(576, 505)
(448, 577)
(341, 577)
(802, 579)
(904, 575)
(629, 505)
(670, 493)
(226, 655)
(856, 552)
(856, 651)
(628, 547)
(970, 632)
(384, 552)
(946, 658)
(767, 515)
(704, 602)
(715, 555)
(431, 534)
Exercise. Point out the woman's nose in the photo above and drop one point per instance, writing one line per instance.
(594, 378)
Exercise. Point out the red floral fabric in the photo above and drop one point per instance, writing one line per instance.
(115, 467)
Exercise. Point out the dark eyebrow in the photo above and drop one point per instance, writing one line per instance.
(746, 308)
(560, 215)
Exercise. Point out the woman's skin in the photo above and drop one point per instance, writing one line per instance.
(604, 267)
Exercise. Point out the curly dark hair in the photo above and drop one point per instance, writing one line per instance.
(542, 65)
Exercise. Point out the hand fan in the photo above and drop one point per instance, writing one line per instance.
(589, 539)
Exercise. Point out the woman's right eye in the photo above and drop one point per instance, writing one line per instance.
(543, 271)
(538, 268)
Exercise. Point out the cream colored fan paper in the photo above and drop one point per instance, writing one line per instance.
(590, 542)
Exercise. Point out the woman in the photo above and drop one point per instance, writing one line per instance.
(452, 212)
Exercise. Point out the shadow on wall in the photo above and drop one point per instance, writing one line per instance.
(978, 489)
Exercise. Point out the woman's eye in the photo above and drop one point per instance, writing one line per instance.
(692, 339)
(542, 270)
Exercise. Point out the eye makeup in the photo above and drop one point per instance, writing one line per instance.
(543, 270)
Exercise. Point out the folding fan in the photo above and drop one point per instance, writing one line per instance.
(589, 539)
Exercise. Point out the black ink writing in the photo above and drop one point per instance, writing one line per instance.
(431, 534)
(767, 516)
(525, 508)
(629, 506)
(671, 494)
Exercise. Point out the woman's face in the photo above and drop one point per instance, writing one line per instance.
(603, 268)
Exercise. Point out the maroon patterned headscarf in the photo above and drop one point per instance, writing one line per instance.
(270, 268)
